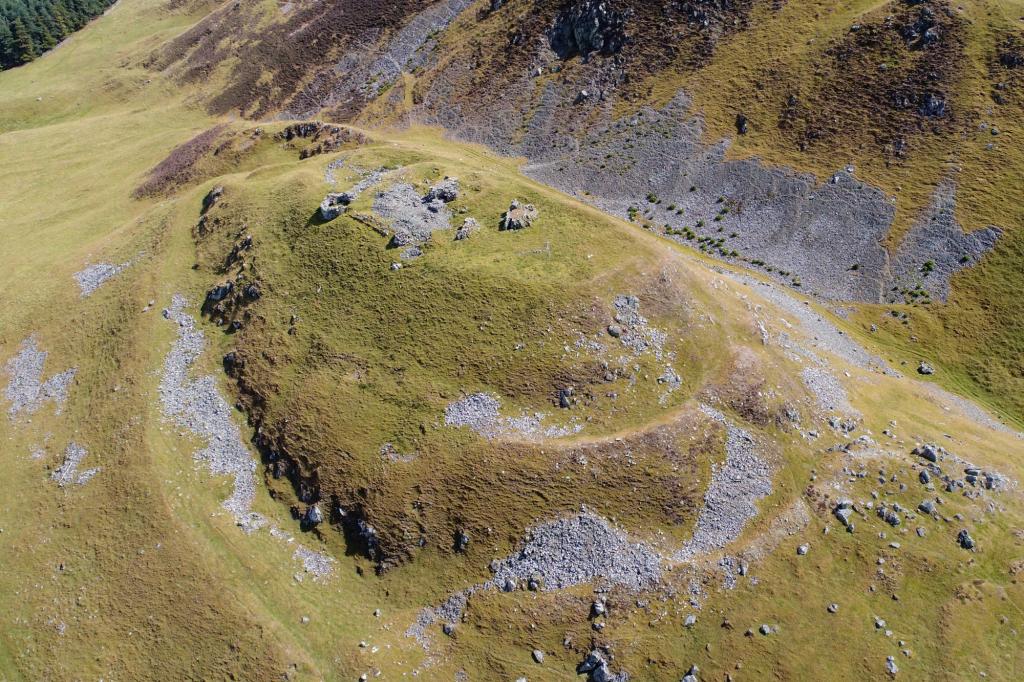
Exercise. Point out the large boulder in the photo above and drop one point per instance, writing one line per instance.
(334, 204)
(518, 216)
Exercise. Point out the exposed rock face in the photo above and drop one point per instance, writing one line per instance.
(588, 26)
(334, 204)
(518, 216)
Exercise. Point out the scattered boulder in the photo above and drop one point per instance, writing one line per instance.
(925, 368)
(219, 292)
(833, 607)
(933, 105)
(844, 511)
(765, 629)
(928, 451)
(690, 621)
(518, 216)
(334, 204)
(314, 516)
(461, 540)
(803, 549)
(615, 331)
(596, 668)
(927, 507)
(538, 655)
(742, 125)
(965, 540)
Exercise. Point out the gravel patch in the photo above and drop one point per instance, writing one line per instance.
(94, 276)
(562, 553)
(730, 500)
(970, 410)
(67, 473)
(26, 391)
(481, 413)
(197, 405)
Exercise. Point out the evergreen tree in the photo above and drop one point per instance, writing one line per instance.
(30, 27)
(25, 49)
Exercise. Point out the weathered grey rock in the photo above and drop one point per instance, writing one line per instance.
(730, 499)
(538, 655)
(334, 204)
(690, 621)
(927, 507)
(410, 215)
(803, 549)
(833, 607)
(212, 197)
(313, 515)
(925, 368)
(924, 477)
(890, 665)
(765, 629)
(67, 473)
(94, 276)
(615, 331)
(219, 292)
(596, 668)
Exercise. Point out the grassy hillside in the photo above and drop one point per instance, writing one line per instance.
(138, 573)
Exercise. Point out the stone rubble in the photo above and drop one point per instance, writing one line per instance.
(26, 391)
(94, 276)
(730, 499)
(197, 406)
(481, 413)
(562, 553)
(67, 473)
(413, 219)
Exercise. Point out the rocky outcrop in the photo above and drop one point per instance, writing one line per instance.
(334, 204)
(586, 27)
(518, 216)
